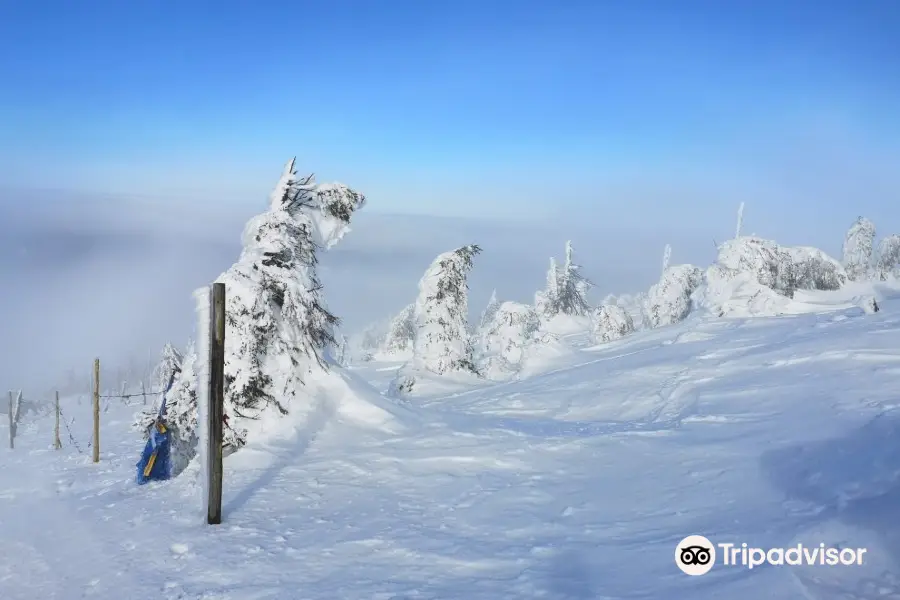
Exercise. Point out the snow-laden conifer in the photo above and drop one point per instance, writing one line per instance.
(669, 300)
(487, 315)
(278, 329)
(611, 322)
(858, 249)
(507, 337)
(887, 259)
(566, 290)
(401, 334)
(442, 341)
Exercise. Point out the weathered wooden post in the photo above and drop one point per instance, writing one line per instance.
(57, 443)
(216, 412)
(96, 410)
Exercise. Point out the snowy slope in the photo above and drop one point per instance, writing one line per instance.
(576, 483)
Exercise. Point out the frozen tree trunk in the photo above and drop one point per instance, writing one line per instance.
(667, 254)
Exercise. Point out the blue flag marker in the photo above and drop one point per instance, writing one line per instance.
(154, 464)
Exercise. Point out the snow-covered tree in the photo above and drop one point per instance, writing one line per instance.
(278, 330)
(810, 269)
(342, 355)
(857, 249)
(170, 362)
(633, 306)
(667, 256)
(887, 258)
(181, 404)
(365, 344)
(401, 333)
(507, 336)
(566, 291)
(442, 341)
(669, 301)
(740, 221)
(611, 322)
(489, 311)
(754, 276)
(546, 301)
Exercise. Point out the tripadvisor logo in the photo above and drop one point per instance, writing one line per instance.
(696, 555)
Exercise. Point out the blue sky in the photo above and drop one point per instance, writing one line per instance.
(657, 113)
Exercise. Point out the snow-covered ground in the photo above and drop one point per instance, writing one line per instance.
(573, 483)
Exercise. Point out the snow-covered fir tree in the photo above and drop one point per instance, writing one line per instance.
(887, 259)
(342, 352)
(401, 333)
(546, 301)
(487, 315)
(506, 338)
(181, 404)
(170, 362)
(740, 221)
(669, 301)
(858, 249)
(278, 330)
(566, 291)
(442, 341)
(667, 256)
(611, 322)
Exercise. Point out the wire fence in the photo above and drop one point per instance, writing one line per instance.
(43, 410)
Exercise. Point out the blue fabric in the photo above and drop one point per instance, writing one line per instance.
(156, 450)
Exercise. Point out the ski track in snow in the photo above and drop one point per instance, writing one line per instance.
(575, 483)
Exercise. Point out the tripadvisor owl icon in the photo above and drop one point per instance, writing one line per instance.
(695, 555)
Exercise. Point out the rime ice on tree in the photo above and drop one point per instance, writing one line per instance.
(443, 342)
(611, 322)
(566, 290)
(278, 330)
(401, 334)
(887, 258)
(669, 301)
(857, 249)
(507, 336)
(489, 311)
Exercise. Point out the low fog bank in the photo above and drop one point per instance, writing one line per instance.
(114, 278)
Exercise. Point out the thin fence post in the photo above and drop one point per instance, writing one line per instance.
(122, 395)
(144, 392)
(57, 443)
(96, 410)
(12, 425)
(216, 412)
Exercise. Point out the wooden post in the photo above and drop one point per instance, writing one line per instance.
(144, 392)
(12, 424)
(57, 443)
(216, 412)
(96, 410)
